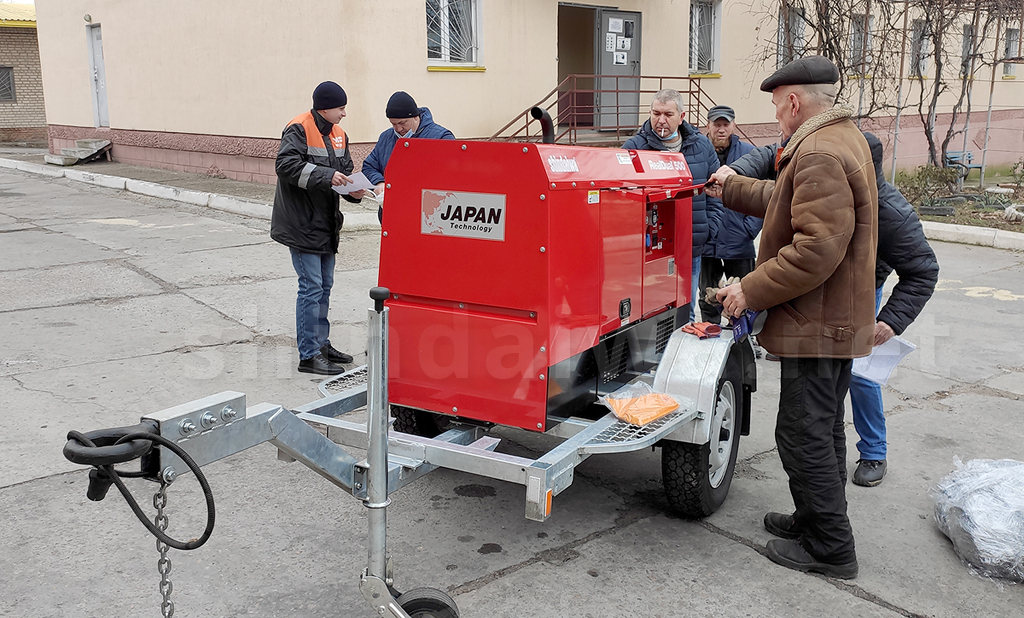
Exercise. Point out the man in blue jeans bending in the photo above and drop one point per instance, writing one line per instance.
(902, 247)
(314, 158)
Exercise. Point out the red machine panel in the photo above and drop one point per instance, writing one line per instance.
(504, 259)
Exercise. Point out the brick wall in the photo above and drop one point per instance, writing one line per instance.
(249, 159)
(25, 118)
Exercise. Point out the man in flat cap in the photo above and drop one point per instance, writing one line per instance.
(313, 158)
(815, 276)
(731, 252)
(407, 120)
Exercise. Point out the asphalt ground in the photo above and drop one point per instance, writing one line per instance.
(114, 305)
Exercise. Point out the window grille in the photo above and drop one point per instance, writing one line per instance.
(919, 48)
(6, 84)
(452, 31)
(1011, 50)
(790, 43)
(702, 35)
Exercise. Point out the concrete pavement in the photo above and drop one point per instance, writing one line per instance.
(115, 304)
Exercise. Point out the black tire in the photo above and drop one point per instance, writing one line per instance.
(428, 603)
(419, 422)
(695, 482)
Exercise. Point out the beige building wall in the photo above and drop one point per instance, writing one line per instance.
(247, 68)
(208, 86)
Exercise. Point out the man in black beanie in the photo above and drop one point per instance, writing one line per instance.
(313, 158)
(407, 120)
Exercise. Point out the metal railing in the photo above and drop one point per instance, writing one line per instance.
(604, 109)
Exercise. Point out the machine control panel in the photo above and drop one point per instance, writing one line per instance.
(659, 231)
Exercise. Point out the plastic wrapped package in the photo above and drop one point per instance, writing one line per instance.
(980, 507)
(638, 404)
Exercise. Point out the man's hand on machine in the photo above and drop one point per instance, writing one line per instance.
(716, 184)
(734, 303)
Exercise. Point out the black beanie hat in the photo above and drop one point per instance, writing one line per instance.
(401, 105)
(329, 95)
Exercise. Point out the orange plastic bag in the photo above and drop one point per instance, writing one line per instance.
(638, 404)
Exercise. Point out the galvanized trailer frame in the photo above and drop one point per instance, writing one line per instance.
(220, 425)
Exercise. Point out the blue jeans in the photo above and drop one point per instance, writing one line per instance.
(868, 415)
(694, 284)
(316, 277)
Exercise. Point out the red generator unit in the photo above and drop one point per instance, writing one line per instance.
(528, 279)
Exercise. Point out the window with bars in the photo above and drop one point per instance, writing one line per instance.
(918, 48)
(6, 84)
(1011, 50)
(702, 36)
(790, 41)
(860, 43)
(452, 31)
(966, 49)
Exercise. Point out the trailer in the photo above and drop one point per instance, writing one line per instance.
(518, 283)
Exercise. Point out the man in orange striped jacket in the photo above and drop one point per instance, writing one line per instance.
(313, 158)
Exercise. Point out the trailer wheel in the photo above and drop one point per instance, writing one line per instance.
(419, 422)
(428, 603)
(697, 476)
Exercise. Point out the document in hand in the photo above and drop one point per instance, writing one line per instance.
(878, 365)
(359, 181)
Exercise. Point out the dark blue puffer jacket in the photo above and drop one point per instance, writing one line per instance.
(736, 233)
(702, 160)
(377, 161)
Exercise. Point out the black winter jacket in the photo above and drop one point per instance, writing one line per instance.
(306, 215)
(702, 160)
(736, 231)
(902, 245)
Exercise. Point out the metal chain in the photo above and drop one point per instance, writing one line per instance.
(163, 565)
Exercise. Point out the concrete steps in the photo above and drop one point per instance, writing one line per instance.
(85, 150)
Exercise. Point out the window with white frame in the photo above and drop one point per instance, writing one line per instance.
(703, 43)
(1011, 50)
(790, 38)
(966, 50)
(918, 48)
(452, 31)
(860, 43)
(6, 84)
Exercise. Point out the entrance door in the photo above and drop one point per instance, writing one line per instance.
(618, 59)
(99, 77)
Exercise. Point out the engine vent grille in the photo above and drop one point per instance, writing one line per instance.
(618, 357)
(663, 334)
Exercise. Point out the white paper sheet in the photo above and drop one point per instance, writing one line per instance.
(878, 365)
(359, 181)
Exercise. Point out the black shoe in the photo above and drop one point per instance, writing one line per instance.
(869, 472)
(781, 525)
(320, 365)
(771, 357)
(335, 356)
(792, 556)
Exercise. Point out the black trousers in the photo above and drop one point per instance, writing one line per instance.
(711, 271)
(812, 445)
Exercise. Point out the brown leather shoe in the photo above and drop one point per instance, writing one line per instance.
(320, 365)
(792, 556)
